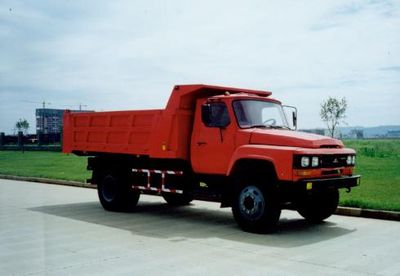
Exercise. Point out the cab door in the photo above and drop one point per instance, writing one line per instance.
(213, 137)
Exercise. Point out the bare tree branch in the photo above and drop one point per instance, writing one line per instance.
(333, 112)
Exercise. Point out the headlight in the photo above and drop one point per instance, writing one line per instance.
(349, 160)
(305, 161)
(353, 160)
(314, 161)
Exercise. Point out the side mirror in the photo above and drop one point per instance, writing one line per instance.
(293, 112)
(294, 118)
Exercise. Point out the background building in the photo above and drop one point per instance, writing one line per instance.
(49, 121)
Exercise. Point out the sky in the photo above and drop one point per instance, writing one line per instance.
(122, 55)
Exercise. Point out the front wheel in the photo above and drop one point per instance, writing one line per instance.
(115, 194)
(256, 210)
(318, 206)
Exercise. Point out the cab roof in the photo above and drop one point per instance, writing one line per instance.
(232, 90)
(185, 96)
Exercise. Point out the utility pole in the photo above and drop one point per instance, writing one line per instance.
(80, 106)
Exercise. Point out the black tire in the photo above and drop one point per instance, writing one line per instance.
(319, 205)
(177, 199)
(115, 193)
(256, 210)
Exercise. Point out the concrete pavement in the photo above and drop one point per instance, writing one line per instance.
(60, 230)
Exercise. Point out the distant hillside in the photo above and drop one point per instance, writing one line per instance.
(390, 131)
(372, 132)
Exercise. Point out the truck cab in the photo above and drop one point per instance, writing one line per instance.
(225, 123)
(249, 138)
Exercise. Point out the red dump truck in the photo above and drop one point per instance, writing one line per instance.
(230, 145)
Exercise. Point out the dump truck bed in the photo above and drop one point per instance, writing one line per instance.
(110, 132)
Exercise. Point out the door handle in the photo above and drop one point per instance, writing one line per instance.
(201, 143)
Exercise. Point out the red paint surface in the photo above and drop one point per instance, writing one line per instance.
(177, 132)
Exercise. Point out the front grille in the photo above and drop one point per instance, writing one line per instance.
(333, 161)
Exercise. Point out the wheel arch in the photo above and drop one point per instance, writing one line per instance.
(253, 166)
(252, 169)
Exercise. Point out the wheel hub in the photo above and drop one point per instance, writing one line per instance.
(251, 203)
(248, 203)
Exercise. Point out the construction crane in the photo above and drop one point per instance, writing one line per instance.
(43, 103)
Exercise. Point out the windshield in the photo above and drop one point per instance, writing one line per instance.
(253, 113)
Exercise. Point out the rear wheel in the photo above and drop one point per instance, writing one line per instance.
(319, 205)
(115, 193)
(256, 210)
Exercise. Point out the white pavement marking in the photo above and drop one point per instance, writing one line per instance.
(60, 230)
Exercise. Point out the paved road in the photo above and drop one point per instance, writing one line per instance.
(59, 230)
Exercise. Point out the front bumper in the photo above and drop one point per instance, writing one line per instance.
(329, 183)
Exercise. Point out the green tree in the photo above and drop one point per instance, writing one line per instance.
(22, 125)
(333, 112)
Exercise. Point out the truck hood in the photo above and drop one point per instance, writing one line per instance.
(280, 137)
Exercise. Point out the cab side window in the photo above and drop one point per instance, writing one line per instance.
(215, 115)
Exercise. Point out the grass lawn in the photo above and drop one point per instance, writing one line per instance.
(378, 161)
(53, 165)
